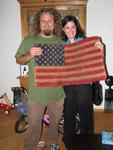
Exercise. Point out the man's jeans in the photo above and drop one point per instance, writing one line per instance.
(35, 115)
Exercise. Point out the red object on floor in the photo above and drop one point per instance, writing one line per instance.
(6, 107)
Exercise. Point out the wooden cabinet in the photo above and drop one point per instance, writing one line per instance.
(64, 7)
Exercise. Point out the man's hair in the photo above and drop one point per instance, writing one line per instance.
(57, 20)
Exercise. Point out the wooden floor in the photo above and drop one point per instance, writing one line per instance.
(10, 140)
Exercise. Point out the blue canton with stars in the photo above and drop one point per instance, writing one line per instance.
(52, 55)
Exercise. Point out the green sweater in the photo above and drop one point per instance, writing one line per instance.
(44, 95)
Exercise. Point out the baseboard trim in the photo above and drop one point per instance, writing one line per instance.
(99, 110)
(103, 110)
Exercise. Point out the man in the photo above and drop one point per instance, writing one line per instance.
(46, 27)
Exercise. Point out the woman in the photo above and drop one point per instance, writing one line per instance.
(78, 97)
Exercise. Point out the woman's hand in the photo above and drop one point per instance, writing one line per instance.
(99, 45)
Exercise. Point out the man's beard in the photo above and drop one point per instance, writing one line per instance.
(47, 32)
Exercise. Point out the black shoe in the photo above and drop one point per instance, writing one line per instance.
(54, 147)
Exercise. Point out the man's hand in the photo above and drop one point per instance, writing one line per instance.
(35, 51)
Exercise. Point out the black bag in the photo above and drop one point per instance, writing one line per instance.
(109, 92)
(109, 95)
(97, 93)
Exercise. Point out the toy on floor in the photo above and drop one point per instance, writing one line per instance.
(5, 104)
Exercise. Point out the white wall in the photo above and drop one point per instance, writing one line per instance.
(99, 22)
(10, 37)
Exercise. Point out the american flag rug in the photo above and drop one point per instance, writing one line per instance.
(83, 63)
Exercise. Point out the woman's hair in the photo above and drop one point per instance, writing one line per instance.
(57, 20)
(80, 31)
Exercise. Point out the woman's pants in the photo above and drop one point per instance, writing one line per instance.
(78, 100)
(36, 112)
